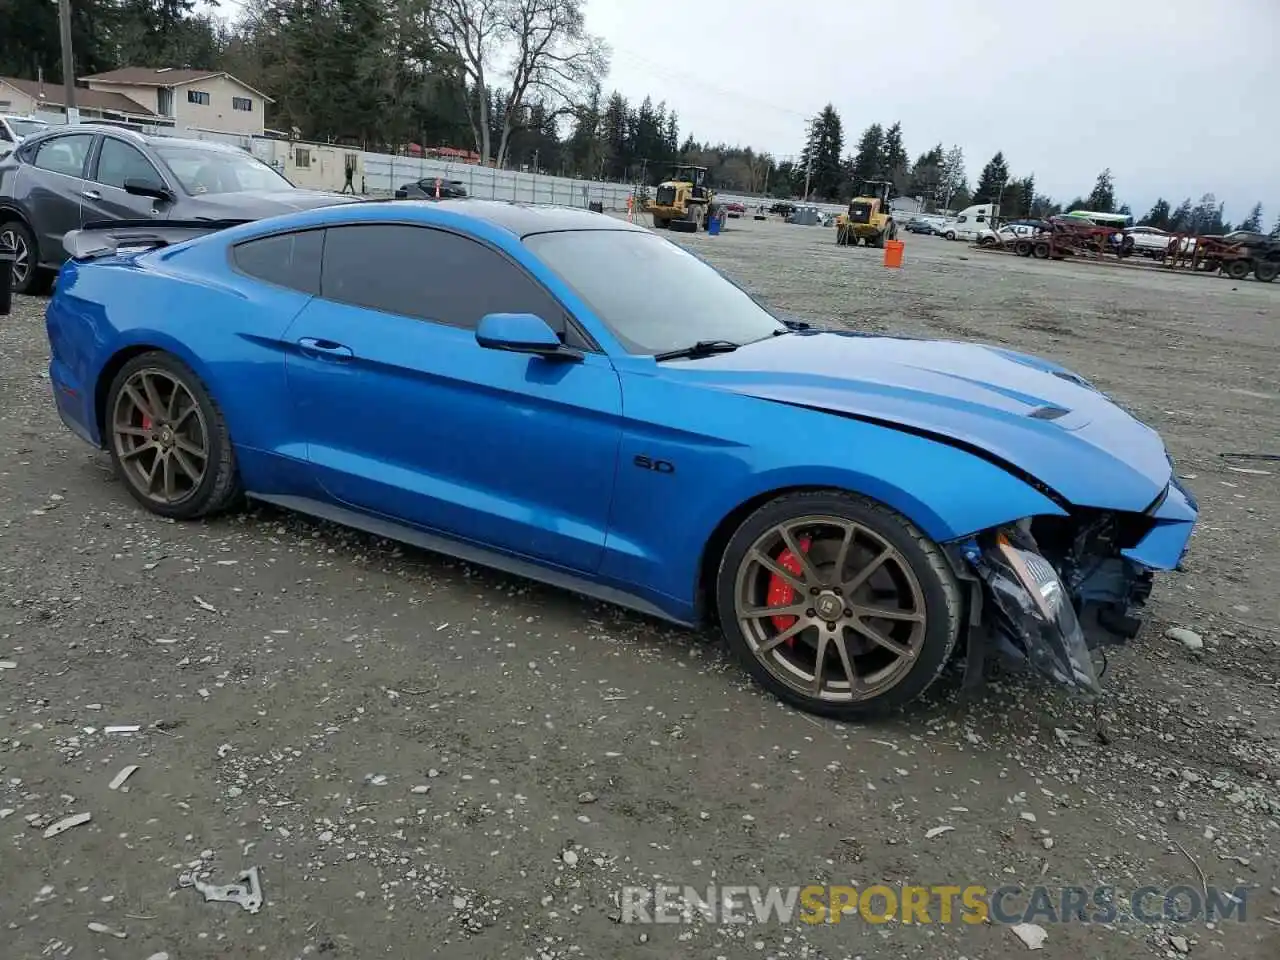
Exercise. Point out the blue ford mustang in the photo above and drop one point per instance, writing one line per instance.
(562, 395)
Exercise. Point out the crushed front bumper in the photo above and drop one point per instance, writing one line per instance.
(1046, 593)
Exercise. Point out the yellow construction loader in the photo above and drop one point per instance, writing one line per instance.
(869, 218)
(684, 201)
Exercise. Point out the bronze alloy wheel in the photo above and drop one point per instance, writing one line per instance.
(160, 436)
(830, 608)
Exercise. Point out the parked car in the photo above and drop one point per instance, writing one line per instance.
(1149, 241)
(919, 225)
(61, 179)
(14, 129)
(425, 189)
(497, 382)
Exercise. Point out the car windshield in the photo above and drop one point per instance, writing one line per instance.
(25, 128)
(203, 171)
(655, 296)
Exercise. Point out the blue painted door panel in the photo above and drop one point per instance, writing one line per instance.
(417, 421)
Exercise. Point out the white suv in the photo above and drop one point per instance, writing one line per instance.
(13, 129)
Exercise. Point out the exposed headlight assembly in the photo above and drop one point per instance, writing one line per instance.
(1035, 614)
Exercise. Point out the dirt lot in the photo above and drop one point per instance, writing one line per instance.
(407, 747)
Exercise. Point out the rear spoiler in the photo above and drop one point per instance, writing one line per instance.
(105, 238)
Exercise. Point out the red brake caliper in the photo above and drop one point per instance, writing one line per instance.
(781, 593)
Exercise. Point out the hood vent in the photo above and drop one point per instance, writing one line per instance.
(1048, 412)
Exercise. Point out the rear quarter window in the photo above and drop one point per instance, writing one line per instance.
(290, 260)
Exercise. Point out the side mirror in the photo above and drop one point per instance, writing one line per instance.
(148, 188)
(522, 333)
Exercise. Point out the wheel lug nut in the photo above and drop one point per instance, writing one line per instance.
(831, 626)
(814, 591)
(848, 613)
(809, 613)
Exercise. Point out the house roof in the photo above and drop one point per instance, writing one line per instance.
(51, 93)
(165, 77)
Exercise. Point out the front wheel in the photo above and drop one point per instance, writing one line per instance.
(837, 604)
(28, 276)
(950, 234)
(1237, 269)
(168, 439)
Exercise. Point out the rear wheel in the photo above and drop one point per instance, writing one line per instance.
(950, 234)
(168, 439)
(1266, 270)
(1041, 250)
(837, 604)
(1022, 248)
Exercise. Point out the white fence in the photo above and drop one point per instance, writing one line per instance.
(384, 173)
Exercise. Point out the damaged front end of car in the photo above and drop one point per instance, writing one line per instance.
(1048, 593)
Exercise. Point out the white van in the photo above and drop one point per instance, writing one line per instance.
(969, 222)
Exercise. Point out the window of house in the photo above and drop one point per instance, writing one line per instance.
(302, 158)
(198, 96)
(242, 103)
(429, 275)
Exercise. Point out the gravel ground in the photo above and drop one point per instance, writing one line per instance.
(426, 759)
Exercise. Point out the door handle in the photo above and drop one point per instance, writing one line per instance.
(330, 349)
(91, 195)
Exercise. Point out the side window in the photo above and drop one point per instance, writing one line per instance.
(428, 274)
(118, 162)
(288, 260)
(981, 219)
(961, 219)
(65, 155)
(4, 135)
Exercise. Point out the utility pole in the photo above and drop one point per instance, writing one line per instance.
(68, 63)
(808, 169)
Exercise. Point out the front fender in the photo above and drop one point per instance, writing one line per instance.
(745, 451)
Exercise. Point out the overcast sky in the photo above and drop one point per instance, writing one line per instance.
(1177, 97)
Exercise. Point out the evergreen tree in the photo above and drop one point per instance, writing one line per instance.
(992, 182)
(1253, 222)
(867, 162)
(1157, 216)
(1102, 199)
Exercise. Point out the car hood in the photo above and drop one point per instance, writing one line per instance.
(1033, 415)
(255, 204)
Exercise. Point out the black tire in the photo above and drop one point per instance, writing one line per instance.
(34, 280)
(1022, 248)
(219, 487)
(1041, 250)
(950, 234)
(1237, 269)
(942, 598)
(1266, 270)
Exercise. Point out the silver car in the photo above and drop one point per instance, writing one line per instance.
(70, 176)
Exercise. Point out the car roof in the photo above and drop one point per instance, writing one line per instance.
(521, 219)
(134, 136)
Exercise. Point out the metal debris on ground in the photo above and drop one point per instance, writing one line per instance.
(103, 928)
(1031, 934)
(246, 890)
(66, 823)
(118, 780)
